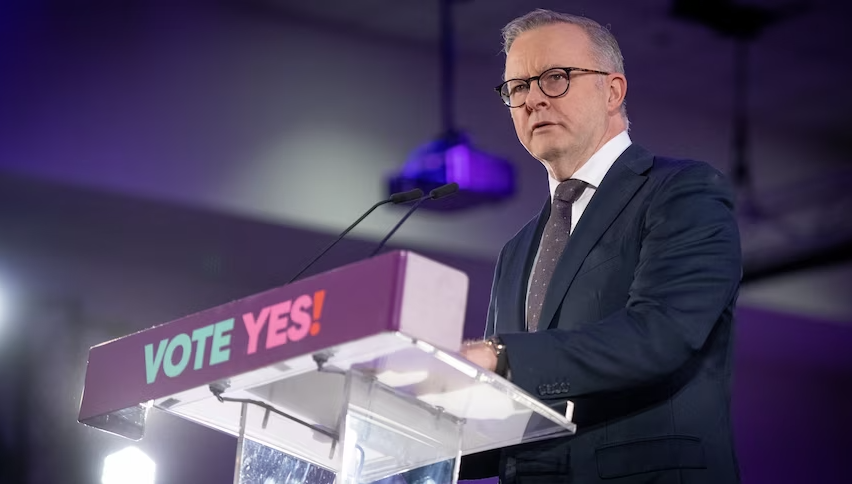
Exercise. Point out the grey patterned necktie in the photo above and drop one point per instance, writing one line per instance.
(553, 242)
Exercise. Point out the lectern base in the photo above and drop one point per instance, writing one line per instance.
(265, 465)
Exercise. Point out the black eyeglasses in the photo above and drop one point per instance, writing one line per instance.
(552, 82)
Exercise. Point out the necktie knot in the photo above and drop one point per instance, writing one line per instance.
(569, 190)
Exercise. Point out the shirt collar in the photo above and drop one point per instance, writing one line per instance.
(594, 170)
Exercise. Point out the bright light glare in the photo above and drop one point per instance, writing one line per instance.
(4, 304)
(128, 466)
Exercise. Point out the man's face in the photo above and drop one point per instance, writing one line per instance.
(568, 127)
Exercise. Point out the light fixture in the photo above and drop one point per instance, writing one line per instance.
(482, 177)
(128, 466)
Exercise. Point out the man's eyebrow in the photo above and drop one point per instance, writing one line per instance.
(506, 78)
(543, 70)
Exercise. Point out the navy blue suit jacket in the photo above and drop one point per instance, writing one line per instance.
(639, 325)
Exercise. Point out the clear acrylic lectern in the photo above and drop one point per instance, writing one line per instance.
(354, 371)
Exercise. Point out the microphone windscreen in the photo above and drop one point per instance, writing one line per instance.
(444, 191)
(403, 197)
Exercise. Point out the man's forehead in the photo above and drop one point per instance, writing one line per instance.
(530, 70)
(533, 52)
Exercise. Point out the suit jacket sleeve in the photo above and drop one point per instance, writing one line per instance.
(688, 272)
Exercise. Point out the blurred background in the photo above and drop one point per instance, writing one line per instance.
(160, 158)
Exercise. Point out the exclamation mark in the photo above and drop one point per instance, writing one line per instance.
(319, 298)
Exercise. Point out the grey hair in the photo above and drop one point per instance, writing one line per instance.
(605, 48)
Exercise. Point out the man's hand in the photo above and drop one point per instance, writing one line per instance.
(481, 354)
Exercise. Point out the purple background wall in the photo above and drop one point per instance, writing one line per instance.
(792, 398)
(122, 264)
(158, 160)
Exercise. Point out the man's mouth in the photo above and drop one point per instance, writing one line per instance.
(542, 124)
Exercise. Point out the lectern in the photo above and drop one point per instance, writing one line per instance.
(354, 371)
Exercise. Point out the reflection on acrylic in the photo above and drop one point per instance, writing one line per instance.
(265, 465)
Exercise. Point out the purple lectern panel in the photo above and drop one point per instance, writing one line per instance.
(352, 302)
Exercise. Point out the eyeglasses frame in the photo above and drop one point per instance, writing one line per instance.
(537, 79)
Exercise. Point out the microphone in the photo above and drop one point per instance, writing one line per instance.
(440, 192)
(396, 199)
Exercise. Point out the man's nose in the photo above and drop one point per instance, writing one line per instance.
(536, 98)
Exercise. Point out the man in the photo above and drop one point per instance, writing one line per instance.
(619, 295)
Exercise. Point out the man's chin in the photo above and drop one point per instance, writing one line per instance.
(548, 153)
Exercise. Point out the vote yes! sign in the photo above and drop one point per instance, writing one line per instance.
(274, 325)
(343, 305)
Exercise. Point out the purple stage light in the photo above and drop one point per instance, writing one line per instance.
(482, 177)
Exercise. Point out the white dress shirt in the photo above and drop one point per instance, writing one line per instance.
(592, 172)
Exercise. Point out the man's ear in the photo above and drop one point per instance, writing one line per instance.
(617, 92)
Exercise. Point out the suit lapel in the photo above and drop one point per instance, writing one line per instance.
(618, 187)
(521, 265)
